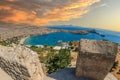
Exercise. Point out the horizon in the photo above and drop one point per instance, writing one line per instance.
(81, 27)
(102, 14)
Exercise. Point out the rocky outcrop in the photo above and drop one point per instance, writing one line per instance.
(75, 31)
(95, 59)
(20, 63)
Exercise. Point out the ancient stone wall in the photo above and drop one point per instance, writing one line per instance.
(20, 63)
(95, 59)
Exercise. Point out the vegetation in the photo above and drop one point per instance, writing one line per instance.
(58, 61)
(36, 49)
(118, 72)
(40, 51)
(114, 66)
(53, 60)
(74, 45)
(9, 42)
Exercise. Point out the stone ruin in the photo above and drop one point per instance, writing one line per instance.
(95, 59)
(94, 62)
(20, 63)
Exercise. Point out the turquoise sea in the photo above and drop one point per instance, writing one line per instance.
(53, 38)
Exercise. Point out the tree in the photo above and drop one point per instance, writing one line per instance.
(58, 61)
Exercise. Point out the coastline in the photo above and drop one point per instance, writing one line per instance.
(22, 40)
(8, 33)
(25, 32)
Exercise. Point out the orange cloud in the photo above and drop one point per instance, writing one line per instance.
(42, 12)
(5, 8)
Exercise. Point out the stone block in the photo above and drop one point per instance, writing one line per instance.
(95, 58)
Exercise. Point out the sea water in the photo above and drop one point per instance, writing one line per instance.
(53, 38)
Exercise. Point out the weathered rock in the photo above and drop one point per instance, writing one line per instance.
(20, 63)
(4, 75)
(95, 59)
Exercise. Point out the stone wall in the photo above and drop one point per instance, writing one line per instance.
(20, 63)
(95, 59)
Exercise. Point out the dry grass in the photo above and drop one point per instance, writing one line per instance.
(118, 67)
(74, 58)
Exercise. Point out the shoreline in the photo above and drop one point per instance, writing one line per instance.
(8, 33)
(22, 40)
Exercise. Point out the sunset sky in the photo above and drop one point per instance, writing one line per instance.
(86, 13)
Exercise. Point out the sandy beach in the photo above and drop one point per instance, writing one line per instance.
(22, 40)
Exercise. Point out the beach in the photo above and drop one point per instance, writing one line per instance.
(22, 40)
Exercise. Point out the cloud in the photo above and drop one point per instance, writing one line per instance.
(42, 12)
(101, 5)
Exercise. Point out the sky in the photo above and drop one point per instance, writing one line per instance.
(103, 14)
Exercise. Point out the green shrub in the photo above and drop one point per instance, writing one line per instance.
(58, 61)
(9, 42)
